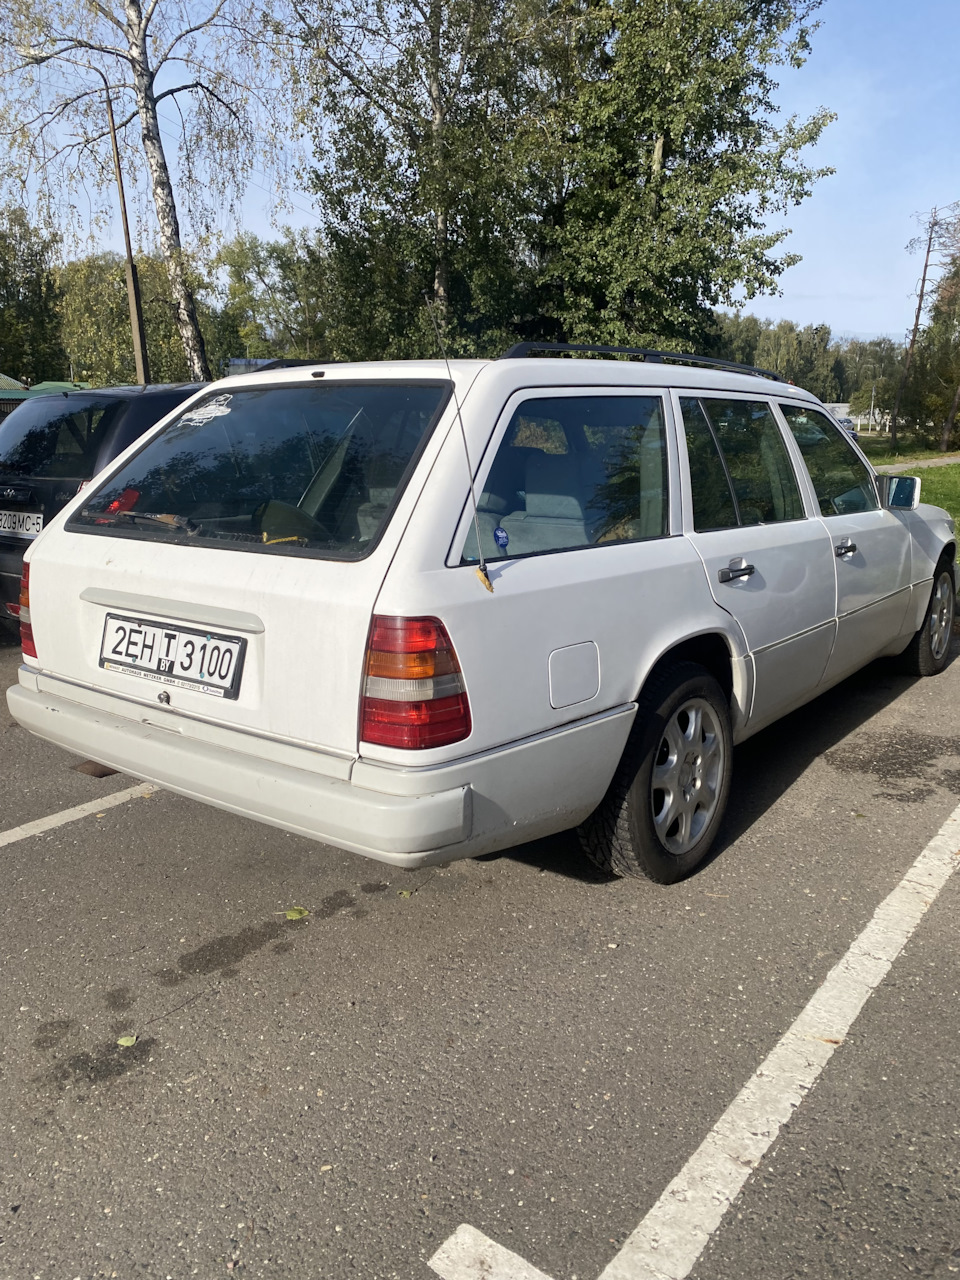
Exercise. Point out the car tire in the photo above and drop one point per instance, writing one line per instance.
(928, 651)
(665, 804)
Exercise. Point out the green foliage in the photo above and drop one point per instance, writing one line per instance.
(592, 170)
(274, 295)
(96, 321)
(30, 346)
(836, 371)
(929, 400)
(419, 174)
(667, 163)
(941, 487)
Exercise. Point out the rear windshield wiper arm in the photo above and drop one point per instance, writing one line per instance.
(170, 521)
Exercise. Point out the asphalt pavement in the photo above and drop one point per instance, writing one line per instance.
(511, 1042)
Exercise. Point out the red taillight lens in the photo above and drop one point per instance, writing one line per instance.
(26, 630)
(413, 691)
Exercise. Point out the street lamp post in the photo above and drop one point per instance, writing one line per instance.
(133, 282)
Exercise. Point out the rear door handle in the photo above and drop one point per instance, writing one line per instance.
(845, 547)
(738, 568)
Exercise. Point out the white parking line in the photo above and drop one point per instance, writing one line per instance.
(670, 1239)
(142, 790)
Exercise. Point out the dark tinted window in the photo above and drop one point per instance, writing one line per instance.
(142, 413)
(841, 480)
(713, 504)
(574, 471)
(296, 469)
(764, 482)
(57, 436)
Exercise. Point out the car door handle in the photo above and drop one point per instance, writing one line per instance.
(845, 547)
(738, 568)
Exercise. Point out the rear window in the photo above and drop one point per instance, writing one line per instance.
(57, 437)
(305, 470)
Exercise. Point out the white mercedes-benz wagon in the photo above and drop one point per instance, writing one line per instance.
(424, 611)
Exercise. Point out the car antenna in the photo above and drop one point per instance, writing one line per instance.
(481, 568)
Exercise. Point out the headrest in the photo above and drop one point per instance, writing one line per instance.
(553, 486)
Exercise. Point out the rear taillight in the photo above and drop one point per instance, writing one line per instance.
(413, 690)
(26, 630)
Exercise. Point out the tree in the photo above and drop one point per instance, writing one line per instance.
(735, 336)
(274, 293)
(415, 110)
(594, 170)
(667, 161)
(96, 329)
(57, 60)
(30, 345)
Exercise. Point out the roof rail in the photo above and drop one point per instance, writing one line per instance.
(649, 356)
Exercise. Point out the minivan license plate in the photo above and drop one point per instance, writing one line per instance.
(20, 524)
(173, 655)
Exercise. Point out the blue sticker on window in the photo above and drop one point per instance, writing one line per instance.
(501, 538)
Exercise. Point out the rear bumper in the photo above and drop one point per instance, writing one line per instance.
(406, 817)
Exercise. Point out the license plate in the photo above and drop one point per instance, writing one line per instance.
(169, 654)
(20, 524)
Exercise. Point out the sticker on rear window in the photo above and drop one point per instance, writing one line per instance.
(215, 408)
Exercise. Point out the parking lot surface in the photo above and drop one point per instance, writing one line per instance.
(513, 1042)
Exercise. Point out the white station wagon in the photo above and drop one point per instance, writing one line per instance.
(424, 611)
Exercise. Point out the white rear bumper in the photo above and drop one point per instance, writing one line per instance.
(406, 817)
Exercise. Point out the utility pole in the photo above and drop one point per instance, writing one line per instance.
(133, 282)
(934, 228)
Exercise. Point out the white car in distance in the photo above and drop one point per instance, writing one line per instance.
(424, 611)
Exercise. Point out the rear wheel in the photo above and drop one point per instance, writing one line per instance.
(927, 652)
(665, 804)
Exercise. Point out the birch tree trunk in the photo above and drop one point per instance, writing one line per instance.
(163, 197)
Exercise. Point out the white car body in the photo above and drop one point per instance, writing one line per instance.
(553, 661)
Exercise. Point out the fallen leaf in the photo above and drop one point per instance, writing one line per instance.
(127, 1042)
(295, 913)
(404, 893)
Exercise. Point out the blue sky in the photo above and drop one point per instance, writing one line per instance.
(889, 69)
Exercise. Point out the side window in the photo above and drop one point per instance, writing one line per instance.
(764, 483)
(574, 471)
(713, 503)
(842, 483)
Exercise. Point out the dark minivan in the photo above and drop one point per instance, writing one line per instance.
(50, 446)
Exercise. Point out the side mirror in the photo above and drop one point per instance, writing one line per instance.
(898, 493)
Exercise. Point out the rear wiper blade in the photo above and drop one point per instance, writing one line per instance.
(168, 519)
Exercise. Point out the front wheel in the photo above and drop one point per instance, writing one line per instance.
(927, 652)
(666, 801)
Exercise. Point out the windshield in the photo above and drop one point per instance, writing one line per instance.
(57, 436)
(292, 469)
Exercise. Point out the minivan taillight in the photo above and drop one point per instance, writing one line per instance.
(413, 690)
(26, 630)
